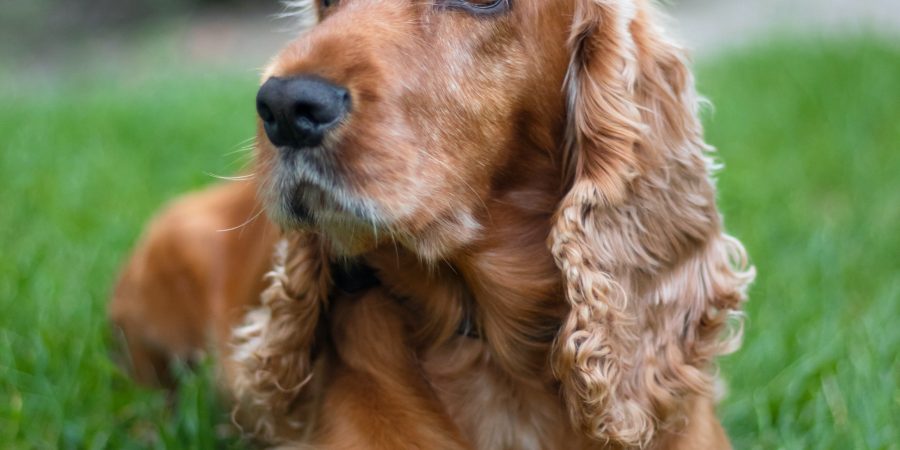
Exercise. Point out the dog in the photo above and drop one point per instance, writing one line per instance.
(499, 231)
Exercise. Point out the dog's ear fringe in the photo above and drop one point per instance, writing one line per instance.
(599, 157)
(272, 348)
(650, 279)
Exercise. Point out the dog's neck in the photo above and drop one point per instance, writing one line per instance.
(352, 277)
(503, 285)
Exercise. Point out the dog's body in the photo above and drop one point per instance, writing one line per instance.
(534, 197)
(194, 275)
(191, 278)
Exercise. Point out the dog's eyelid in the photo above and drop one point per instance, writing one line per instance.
(479, 7)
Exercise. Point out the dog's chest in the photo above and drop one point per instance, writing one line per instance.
(491, 321)
(491, 408)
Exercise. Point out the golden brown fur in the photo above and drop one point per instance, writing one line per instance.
(191, 278)
(540, 174)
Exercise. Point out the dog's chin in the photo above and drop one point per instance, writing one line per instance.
(289, 208)
(306, 207)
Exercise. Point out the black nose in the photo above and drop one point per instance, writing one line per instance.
(298, 111)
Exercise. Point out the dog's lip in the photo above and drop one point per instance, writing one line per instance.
(306, 201)
(300, 197)
(290, 152)
(299, 209)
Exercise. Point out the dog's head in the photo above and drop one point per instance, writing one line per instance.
(398, 117)
(393, 116)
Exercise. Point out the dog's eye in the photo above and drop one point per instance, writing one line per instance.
(481, 7)
(328, 3)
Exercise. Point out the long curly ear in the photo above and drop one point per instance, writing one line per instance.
(272, 349)
(649, 275)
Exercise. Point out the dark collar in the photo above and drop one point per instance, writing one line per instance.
(353, 277)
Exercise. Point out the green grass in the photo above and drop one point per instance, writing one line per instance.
(83, 164)
(809, 132)
(810, 135)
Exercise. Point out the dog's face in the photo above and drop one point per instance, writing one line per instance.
(393, 116)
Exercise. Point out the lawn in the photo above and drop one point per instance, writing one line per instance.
(809, 132)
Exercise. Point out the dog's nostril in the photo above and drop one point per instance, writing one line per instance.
(345, 97)
(298, 112)
(313, 114)
(323, 113)
(264, 112)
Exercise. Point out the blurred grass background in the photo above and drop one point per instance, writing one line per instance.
(809, 131)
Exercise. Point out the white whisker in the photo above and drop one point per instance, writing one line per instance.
(246, 177)
(247, 222)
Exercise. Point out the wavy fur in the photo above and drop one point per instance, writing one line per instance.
(273, 348)
(650, 277)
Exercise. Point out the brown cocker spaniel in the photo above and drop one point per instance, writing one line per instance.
(498, 231)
